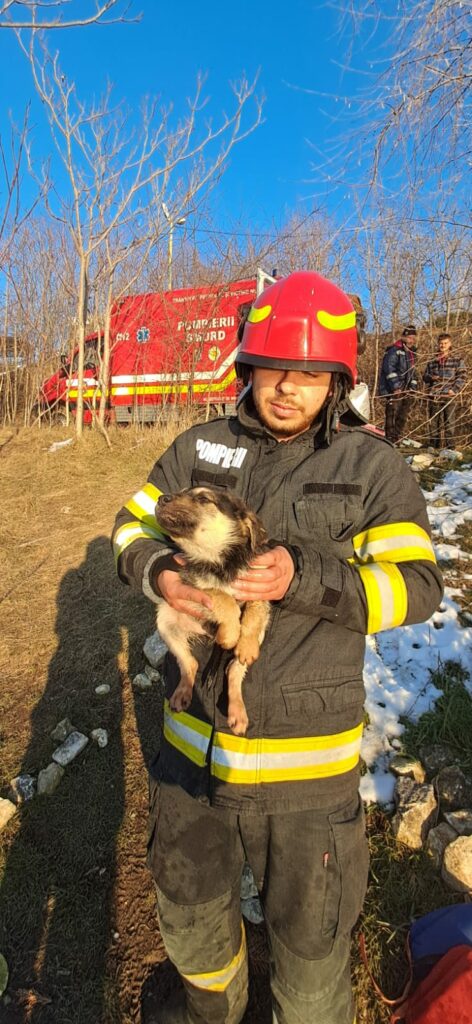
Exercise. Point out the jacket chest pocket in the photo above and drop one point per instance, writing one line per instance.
(221, 479)
(328, 516)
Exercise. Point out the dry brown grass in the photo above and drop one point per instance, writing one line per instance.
(77, 922)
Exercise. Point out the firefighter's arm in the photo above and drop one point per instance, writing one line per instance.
(392, 578)
(142, 550)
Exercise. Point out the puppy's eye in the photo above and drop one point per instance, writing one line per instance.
(203, 499)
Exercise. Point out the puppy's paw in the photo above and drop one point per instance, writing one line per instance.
(181, 698)
(228, 635)
(247, 649)
(237, 718)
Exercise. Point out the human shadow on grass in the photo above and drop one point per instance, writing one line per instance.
(56, 912)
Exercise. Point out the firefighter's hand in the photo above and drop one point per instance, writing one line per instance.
(268, 577)
(181, 596)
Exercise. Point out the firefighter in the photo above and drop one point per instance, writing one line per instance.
(350, 554)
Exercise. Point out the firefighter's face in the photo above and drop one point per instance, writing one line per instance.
(288, 401)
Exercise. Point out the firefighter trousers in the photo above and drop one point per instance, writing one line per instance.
(311, 871)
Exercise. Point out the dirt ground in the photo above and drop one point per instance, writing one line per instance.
(77, 917)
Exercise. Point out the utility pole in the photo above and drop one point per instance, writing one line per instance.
(170, 247)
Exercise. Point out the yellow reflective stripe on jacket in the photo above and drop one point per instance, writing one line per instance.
(218, 981)
(129, 532)
(242, 761)
(395, 542)
(386, 593)
(143, 506)
(188, 734)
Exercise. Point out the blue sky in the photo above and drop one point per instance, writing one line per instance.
(289, 44)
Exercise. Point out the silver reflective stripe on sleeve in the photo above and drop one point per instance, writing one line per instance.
(147, 588)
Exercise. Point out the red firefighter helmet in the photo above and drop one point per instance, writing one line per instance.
(302, 322)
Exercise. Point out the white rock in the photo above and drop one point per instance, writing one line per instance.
(23, 788)
(422, 461)
(437, 840)
(402, 764)
(416, 809)
(49, 779)
(457, 864)
(408, 442)
(99, 736)
(251, 909)
(153, 674)
(142, 682)
(102, 690)
(154, 650)
(7, 810)
(69, 750)
(451, 454)
(56, 447)
(62, 731)
(248, 885)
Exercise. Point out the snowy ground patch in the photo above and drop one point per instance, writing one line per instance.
(397, 672)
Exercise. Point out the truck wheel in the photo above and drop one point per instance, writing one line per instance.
(59, 418)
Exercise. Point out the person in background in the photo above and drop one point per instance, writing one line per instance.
(398, 383)
(444, 377)
(350, 554)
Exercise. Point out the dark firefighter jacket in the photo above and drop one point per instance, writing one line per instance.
(398, 370)
(365, 563)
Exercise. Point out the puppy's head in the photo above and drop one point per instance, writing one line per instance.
(208, 525)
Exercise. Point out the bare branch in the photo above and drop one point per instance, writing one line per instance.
(99, 16)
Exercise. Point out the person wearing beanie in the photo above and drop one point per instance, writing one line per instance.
(398, 383)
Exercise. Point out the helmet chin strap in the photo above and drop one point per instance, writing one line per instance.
(339, 390)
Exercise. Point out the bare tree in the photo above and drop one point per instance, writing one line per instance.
(12, 160)
(419, 102)
(111, 169)
(48, 14)
(37, 311)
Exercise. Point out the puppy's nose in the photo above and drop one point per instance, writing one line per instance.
(163, 499)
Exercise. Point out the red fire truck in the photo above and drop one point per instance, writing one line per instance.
(166, 349)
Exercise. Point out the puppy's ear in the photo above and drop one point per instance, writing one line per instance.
(256, 531)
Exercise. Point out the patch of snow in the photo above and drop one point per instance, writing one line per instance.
(398, 664)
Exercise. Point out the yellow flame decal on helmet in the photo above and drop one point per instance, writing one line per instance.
(336, 323)
(256, 315)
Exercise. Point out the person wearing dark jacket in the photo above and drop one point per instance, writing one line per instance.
(350, 554)
(398, 383)
(444, 377)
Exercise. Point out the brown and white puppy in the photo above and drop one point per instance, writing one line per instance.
(219, 537)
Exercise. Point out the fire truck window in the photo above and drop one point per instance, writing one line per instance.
(243, 310)
(90, 358)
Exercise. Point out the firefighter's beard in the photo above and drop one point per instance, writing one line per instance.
(284, 417)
